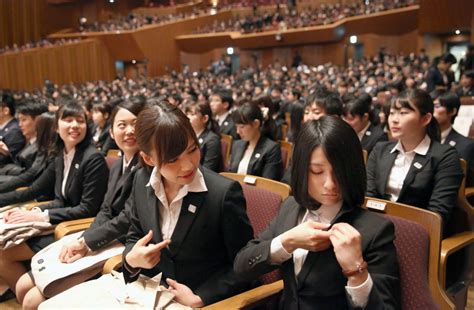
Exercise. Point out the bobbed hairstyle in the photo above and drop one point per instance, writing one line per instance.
(72, 108)
(342, 148)
(163, 128)
(418, 100)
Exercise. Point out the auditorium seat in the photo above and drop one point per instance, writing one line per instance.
(226, 148)
(286, 152)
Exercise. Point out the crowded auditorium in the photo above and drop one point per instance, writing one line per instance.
(224, 154)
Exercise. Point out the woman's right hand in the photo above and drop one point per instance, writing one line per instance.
(73, 251)
(308, 235)
(144, 255)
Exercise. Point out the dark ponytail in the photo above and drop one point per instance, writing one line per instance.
(249, 112)
(205, 109)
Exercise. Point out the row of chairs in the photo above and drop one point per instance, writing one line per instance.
(422, 253)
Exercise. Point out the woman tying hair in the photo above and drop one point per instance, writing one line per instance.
(416, 169)
(333, 254)
(255, 154)
(40, 176)
(207, 132)
(112, 221)
(81, 180)
(186, 222)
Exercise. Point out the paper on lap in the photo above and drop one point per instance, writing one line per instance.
(47, 268)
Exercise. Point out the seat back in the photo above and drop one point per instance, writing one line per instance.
(286, 152)
(462, 217)
(263, 202)
(418, 243)
(284, 131)
(226, 147)
(365, 154)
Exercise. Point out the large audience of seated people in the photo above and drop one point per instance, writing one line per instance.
(289, 17)
(169, 209)
(31, 45)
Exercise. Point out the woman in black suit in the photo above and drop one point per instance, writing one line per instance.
(112, 221)
(416, 169)
(333, 254)
(101, 112)
(255, 153)
(37, 186)
(207, 132)
(81, 182)
(186, 222)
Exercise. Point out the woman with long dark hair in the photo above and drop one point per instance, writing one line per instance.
(333, 254)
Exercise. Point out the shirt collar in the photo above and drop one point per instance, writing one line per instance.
(197, 185)
(221, 118)
(69, 156)
(421, 149)
(33, 140)
(328, 212)
(445, 133)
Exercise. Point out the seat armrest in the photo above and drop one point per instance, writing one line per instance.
(112, 263)
(449, 246)
(70, 227)
(469, 192)
(248, 298)
(31, 205)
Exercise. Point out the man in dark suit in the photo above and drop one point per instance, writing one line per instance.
(439, 76)
(221, 104)
(467, 84)
(27, 114)
(11, 138)
(446, 109)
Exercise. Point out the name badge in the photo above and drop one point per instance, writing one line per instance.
(257, 155)
(226, 123)
(452, 143)
(418, 165)
(200, 140)
(368, 133)
(76, 166)
(192, 209)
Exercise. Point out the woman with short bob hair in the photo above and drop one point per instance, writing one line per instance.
(186, 221)
(333, 254)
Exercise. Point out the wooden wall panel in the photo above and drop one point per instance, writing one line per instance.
(71, 63)
(442, 16)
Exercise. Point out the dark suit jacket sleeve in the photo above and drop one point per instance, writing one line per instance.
(254, 259)
(273, 167)
(25, 178)
(237, 231)
(102, 233)
(381, 258)
(213, 155)
(371, 172)
(447, 180)
(15, 142)
(93, 191)
(135, 232)
(43, 186)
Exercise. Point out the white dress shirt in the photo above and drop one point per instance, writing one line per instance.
(402, 165)
(125, 163)
(325, 214)
(169, 212)
(68, 157)
(445, 133)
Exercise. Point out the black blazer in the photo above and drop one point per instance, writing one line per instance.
(11, 135)
(465, 148)
(85, 186)
(22, 161)
(433, 185)
(320, 283)
(211, 152)
(12, 182)
(204, 243)
(104, 134)
(42, 188)
(228, 127)
(265, 161)
(373, 135)
(461, 92)
(112, 222)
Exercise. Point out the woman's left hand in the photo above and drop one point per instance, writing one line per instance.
(23, 216)
(347, 241)
(183, 294)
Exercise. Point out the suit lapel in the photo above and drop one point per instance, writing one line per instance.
(74, 168)
(239, 154)
(192, 203)
(122, 177)
(418, 164)
(257, 153)
(385, 167)
(153, 203)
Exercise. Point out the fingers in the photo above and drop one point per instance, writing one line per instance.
(158, 247)
(147, 238)
(319, 225)
(172, 283)
(74, 258)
